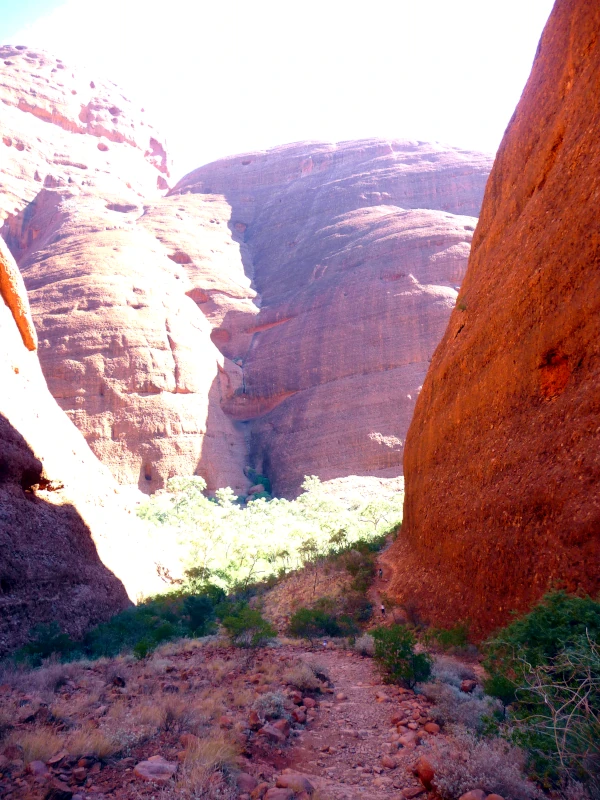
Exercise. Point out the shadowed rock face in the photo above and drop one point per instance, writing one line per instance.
(502, 462)
(278, 309)
(58, 504)
(357, 250)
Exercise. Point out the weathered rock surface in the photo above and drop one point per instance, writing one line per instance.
(278, 309)
(60, 512)
(112, 272)
(356, 251)
(502, 461)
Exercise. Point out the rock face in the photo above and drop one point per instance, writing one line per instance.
(278, 309)
(502, 462)
(356, 252)
(109, 266)
(58, 507)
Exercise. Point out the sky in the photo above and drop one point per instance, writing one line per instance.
(220, 77)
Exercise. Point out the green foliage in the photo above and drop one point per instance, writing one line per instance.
(546, 667)
(236, 544)
(312, 623)
(557, 623)
(46, 641)
(556, 716)
(395, 652)
(247, 627)
(447, 638)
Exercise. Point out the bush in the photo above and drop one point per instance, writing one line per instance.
(448, 670)
(455, 707)
(448, 638)
(560, 621)
(394, 650)
(463, 762)
(302, 677)
(546, 666)
(556, 717)
(270, 705)
(247, 627)
(47, 641)
(311, 623)
(365, 645)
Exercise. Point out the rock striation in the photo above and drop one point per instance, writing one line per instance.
(60, 511)
(277, 309)
(502, 461)
(111, 270)
(356, 251)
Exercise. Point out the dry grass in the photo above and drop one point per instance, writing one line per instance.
(462, 761)
(39, 744)
(90, 741)
(207, 766)
(302, 677)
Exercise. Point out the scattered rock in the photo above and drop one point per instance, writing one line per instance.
(431, 727)
(388, 762)
(272, 734)
(260, 791)
(468, 686)
(424, 772)
(246, 783)
(58, 790)
(156, 769)
(279, 794)
(308, 702)
(282, 725)
(38, 769)
(254, 721)
(474, 794)
(298, 783)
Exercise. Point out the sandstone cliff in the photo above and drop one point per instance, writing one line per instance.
(126, 353)
(278, 309)
(502, 461)
(59, 507)
(356, 251)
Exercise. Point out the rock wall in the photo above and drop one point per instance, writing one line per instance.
(278, 308)
(356, 250)
(111, 268)
(60, 511)
(502, 461)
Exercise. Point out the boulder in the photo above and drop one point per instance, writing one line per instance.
(425, 772)
(156, 769)
(297, 783)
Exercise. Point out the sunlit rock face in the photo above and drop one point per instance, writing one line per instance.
(277, 309)
(112, 269)
(357, 251)
(502, 462)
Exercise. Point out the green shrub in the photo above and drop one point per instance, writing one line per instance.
(47, 640)
(557, 623)
(312, 623)
(448, 638)
(246, 627)
(394, 650)
(546, 665)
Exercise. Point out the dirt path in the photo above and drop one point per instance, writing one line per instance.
(342, 752)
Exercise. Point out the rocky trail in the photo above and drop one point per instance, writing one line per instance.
(356, 745)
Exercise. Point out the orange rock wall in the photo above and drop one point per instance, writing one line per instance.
(502, 460)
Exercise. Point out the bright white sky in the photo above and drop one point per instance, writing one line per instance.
(221, 77)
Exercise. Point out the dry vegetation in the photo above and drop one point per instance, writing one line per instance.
(90, 723)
